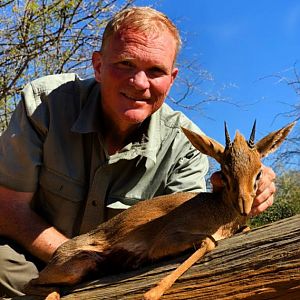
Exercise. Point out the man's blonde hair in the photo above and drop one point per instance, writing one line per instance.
(143, 19)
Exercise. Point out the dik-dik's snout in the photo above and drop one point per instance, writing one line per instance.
(245, 205)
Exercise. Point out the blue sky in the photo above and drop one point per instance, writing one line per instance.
(241, 43)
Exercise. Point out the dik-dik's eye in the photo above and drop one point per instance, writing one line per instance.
(258, 176)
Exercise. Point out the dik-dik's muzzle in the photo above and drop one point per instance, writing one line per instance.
(245, 205)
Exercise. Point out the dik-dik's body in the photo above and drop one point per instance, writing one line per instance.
(167, 225)
(155, 231)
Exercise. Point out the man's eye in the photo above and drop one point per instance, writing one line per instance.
(155, 71)
(125, 64)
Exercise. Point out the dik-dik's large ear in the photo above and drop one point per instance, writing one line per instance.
(205, 144)
(272, 141)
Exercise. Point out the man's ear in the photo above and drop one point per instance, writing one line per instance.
(174, 74)
(97, 61)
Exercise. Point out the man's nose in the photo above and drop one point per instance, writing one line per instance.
(140, 81)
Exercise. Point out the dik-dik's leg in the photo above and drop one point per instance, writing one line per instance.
(53, 296)
(243, 229)
(64, 271)
(155, 293)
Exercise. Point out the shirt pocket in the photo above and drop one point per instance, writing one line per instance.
(60, 199)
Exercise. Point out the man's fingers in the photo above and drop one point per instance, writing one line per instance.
(262, 207)
(217, 181)
(265, 192)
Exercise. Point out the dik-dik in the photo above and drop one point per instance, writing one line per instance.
(167, 225)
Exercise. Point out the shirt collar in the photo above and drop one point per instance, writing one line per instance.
(89, 120)
(89, 116)
(146, 147)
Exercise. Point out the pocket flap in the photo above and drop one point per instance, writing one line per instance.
(62, 185)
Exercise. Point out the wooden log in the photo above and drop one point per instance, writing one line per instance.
(261, 264)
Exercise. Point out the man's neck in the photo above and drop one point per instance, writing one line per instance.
(117, 137)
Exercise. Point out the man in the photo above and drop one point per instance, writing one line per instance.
(77, 152)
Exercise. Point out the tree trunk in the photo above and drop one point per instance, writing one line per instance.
(261, 264)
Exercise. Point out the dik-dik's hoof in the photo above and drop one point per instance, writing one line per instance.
(243, 229)
(53, 296)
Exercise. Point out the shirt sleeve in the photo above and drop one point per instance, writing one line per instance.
(20, 153)
(189, 170)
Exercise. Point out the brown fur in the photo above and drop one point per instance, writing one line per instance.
(167, 225)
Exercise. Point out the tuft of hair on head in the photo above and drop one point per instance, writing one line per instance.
(143, 18)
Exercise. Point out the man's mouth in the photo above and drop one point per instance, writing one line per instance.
(133, 98)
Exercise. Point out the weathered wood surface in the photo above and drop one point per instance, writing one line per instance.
(262, 264)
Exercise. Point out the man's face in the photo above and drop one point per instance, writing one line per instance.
(136, 71)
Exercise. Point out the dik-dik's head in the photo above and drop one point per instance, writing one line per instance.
(240, 162)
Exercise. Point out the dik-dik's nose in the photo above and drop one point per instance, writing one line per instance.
(245, 205)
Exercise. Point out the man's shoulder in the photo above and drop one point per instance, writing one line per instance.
(49, 83)
(176, 119)
(38, 90)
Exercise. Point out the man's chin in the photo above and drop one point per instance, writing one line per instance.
(135, 117)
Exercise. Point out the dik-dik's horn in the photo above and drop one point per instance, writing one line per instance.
(227, 137)
(252, 136)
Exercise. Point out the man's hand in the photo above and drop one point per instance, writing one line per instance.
(265, 192)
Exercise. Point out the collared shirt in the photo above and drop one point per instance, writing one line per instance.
(53, 147)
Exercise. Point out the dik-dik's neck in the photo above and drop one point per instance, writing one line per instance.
(224, 217)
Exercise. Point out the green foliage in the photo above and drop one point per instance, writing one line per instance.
(287, 200)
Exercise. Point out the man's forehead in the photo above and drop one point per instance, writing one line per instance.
(147, 36)
(124, 42)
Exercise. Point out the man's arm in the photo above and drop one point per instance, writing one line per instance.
(188, 173)
(20, 223)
